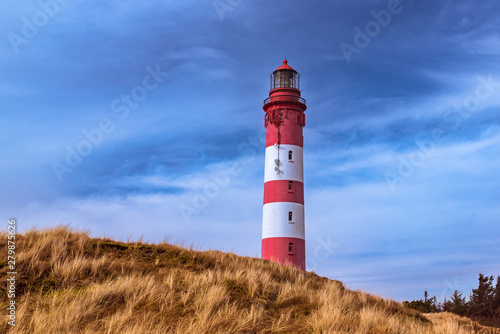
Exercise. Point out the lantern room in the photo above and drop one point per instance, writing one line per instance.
(285, 77)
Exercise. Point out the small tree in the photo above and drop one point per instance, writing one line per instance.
(481, 299)
(447, 305)
(496, 299)
(457, 303)
(428, 305)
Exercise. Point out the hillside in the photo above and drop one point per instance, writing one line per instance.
(68, 282)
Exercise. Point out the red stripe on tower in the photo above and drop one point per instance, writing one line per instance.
(283, 237)
(278, 191)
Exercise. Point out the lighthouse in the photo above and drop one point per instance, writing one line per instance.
(283, 237)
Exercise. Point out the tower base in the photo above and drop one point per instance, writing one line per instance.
(278, 250)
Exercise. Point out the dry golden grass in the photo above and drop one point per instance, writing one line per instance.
(70, 283)
(445, 318)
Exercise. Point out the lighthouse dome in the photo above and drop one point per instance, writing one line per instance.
(285, 66)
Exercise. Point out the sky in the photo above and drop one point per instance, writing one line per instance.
(135, 119)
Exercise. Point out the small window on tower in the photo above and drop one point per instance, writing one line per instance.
(290, 155)
(290, 216)
(290, 186)
(281, 116)
(290, 247)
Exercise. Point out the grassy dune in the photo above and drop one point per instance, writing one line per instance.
(69, 282)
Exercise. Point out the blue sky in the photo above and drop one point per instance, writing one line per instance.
(145, 119)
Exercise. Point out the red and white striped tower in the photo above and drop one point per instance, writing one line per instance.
(283, 238)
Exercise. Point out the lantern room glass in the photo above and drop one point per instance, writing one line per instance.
(285, 79)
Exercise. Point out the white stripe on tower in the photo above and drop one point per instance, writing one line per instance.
(289, 169)
(275, 227)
